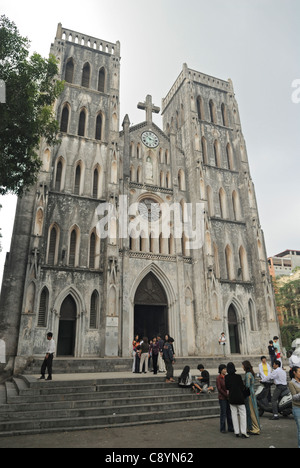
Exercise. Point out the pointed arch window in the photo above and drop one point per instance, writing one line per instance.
(99, 122)
(229, 157)
(229, 263)
(244, 269)
(217, 153)
(94, 309)
(53, 246)
(101, 80)
(77, 179)
(58, 178)
(69, 75)
(200, 108)
(212, 110)
(204, 150)
(86, 71)
(181, 180)
(252, 316)
(96, 183)
(74, 248)
(81, 124)
(224, 115)
(64, 122)
(43, 308)
(92, 250)
(223, 204)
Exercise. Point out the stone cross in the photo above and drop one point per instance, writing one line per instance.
(149, 108)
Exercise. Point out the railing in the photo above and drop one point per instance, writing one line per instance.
(88, 41)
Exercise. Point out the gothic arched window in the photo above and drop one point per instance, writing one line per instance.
(69, 71)
(212, 109)
(43, 308)
(86, 71)
(64, 122)
(53, 241)
(98, 133)
(101, 80)
(74, 248)
(81, 124)
(94, 309)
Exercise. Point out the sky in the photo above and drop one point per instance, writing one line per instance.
(256, 43)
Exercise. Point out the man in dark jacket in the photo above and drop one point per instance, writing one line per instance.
(168, 357)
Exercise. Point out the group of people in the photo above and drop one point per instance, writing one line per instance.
(237, 397)
(159, 350)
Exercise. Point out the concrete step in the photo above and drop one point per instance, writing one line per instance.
(35, 407)
(102, 408)
(88, 422)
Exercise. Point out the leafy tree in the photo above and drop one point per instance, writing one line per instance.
(27, 115)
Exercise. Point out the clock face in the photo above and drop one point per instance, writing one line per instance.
(150, 139)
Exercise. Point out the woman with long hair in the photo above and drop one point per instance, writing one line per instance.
(185, 380)
(253, 422)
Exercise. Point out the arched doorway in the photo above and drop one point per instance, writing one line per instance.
(233, 331)
(150, 308)
(67, 328)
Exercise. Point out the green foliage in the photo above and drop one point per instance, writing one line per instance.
(27, 115)
(290, 332)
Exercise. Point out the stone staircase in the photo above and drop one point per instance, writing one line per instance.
(28, 406)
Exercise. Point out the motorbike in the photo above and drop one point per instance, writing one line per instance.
(285, 403)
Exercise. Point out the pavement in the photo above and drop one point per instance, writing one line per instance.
(169, 436)
(195, 434)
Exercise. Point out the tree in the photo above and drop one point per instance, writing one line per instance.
(27, 115)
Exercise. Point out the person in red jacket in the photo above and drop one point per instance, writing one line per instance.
(225, 412)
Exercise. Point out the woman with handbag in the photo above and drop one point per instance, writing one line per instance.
(253, 422)
(235, 386)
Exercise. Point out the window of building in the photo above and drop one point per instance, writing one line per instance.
(86, 71)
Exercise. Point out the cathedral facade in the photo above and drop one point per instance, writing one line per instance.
(147, 230)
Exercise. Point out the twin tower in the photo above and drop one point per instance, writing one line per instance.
(97, 256)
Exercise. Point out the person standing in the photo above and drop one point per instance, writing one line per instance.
(160, 361)
(253, 421)
(294, 387)
(234, 384)
(154, 350)
(135, 344)
(48, 361)
(277, 348)
(272, 352)
(222, 343)
(168, 357)
(225, 412)
(144, 355)
(280, 380)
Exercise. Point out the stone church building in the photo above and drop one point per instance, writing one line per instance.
(95, 291)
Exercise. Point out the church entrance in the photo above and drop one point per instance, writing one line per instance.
(67, 328)
(233, 331)
(150, 309)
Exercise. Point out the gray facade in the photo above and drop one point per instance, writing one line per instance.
(95, 293)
